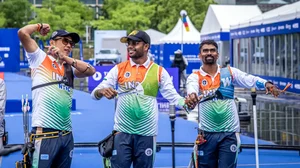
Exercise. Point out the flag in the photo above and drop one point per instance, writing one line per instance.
(185, 23)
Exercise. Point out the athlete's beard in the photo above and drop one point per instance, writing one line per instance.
(209, 60)
(137, 54)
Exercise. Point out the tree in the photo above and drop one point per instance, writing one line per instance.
(70, 15)
(167, 13)
(16, 13)
(125, 15)
(2, 20)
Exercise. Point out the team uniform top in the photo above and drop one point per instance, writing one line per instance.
(52, 103)
(219, 114)
(138, 85)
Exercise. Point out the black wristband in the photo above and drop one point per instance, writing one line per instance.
(74, 62)
(41, 26)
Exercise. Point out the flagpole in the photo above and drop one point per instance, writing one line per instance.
(183, 13)
(182, 38)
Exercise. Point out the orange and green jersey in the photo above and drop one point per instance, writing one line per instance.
(138, 85)
(220, 114)
(51, 104)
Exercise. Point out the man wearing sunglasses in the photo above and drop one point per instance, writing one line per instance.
(136, 118)
(52, 88)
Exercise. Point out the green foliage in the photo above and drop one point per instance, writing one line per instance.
(70, 15)
(2, 20)
(125, 15)
(161, 15)
(16, 13)
(167, 13)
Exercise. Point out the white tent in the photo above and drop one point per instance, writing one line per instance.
(220, 17)
(179, 35)
(155, 35)
(283, 13)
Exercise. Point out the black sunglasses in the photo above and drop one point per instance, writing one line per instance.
(66, 41)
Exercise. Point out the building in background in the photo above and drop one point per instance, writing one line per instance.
(264, 5)
(268, 45)
(217, 23)
(236, 2)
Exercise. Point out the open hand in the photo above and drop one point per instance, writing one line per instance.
(270, 88)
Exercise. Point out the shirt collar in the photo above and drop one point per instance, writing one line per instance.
(52, 58)
(146, 64)
(204, 73)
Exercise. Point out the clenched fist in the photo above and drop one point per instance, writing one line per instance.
(192, 100)
(109, 93)
(44, 29)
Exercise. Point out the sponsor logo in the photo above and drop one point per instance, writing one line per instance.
(201, 153)
(226, 81)
(97, 76)
(44, 157)
(297, 86)
(114, 153)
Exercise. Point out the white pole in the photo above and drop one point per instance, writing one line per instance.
(86, 34)
(183, 13)
(255, 136)
(253, 95)
(182, 37)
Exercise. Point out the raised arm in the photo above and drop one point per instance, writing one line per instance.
(25, 35)
(249, 81)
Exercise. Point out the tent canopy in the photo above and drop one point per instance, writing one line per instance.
(272, 2)
(220, 17)
(155, 35)
(179, 35)
(283, 13)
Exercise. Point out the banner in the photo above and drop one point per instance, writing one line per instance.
(285, 27)
(9, 50)
(80, 50)
(101, 72)
(282, 82)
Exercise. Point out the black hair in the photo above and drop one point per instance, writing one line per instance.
(208, 42)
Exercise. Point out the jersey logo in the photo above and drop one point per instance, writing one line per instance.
(148, 152)
(131, 85)
(226, 81)
(233, 148)
(127, 74)
(204, 82)
(54, 66)
(56, 76)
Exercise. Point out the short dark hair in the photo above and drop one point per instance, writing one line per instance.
(208, 42)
